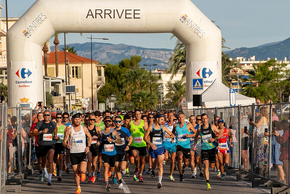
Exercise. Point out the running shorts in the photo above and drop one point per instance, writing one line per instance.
(77, 158)
(223, 151)
(37, 152)
(120, 157)
(155, 153)
(170, 147)
(186, 152)
(43, 150)
(59, 149)
(111, 160)
(142, 150)
(95, 150)
(208, 155)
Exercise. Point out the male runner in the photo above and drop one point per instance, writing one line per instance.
(46, 130)
(223, 146)
(184, 131)
(77, 135)
(126, 124)
(154, 137)
(170, 145)
(59, 149)
(93, 154)
(100, 124)
(198, 149)
(217, 164)
(193, 151)
(122, 149)
(151, 120)
(138, 129)
(108, 139)
(67, 123)
(208, 147)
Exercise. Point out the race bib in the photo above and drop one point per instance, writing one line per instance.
(138, 139)
(182, 138)
(60, 135)
(109, 147)
(223, 146)
(78, 141)
(157, 140)
(94, 141)
(47, 137)
(120, 144)
(205, 138)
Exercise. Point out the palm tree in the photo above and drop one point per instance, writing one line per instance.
(178, 59)
(56, 43)
(227, 65)
(177, 91)
(70, 49)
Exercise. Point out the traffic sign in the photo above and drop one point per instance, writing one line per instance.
(197, 84)
(232, 97)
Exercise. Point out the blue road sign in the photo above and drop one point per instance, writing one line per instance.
(197, 84)
(232, 97)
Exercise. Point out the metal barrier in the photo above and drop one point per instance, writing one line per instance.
(3, 146)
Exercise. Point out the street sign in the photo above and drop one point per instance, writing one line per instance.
(232, 97)
(197, 84)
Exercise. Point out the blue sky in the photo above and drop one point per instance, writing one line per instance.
(244, 23)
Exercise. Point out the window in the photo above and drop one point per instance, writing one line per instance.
(76, 72)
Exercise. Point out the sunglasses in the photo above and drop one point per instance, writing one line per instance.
(65, 117)
(198, 119)
(108, 121)
(92, 119)
(59, 117)
(151, 117)
(118, 121)
(46, 115)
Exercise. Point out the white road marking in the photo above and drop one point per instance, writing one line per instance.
(125, 187)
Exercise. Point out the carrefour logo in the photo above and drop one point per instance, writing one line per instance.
(23, 73)
(204, 73)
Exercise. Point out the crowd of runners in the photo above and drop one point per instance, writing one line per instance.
(85, 142)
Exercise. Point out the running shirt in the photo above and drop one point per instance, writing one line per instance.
(108, 148)
(182, 140)
(60, 133)
(45, 139)
(67, 124)
(138, 134)
(101, 125)
(123, 133)
(170, 128)
(93, 133)
(223, 142)
(156, 136)
(206, 134)
(77, 141)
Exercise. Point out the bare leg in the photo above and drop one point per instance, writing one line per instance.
(76, 175)
(172, 165)
(90, 161)
(192, 160)
(179, 163)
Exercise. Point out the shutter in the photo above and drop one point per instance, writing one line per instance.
(79, 72)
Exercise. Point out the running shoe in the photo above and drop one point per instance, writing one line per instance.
(144, 172)
(93, 179)
(159, 185)
(141, 178)
(171, 178)
(41, 177)
(201, 174)
(208, 186)
(90, 179)
(120, 186)
(223, 177)
(49, 182)
(110, 174)
(45, 174)
(218, 174)
(108, 187)
(67, 170)
(83, 177)
(181, 178)
(127, 172)
(54, 173)
(183, 171)
(98, 175)
(59, 179)
(152, 173)
(115, 181)
(164, 162)
(78, 191)
(193, 176)
(149, 171)
(135, 178)
(136, 171)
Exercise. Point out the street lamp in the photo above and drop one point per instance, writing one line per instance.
(150, 81)
(92, 78)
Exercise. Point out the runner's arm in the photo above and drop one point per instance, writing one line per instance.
(145, 127)
(55, 134)
(66, 136)
(89, 136)
(196, 136)
(230, 136)
(215, 129)
(147, 139)
(168, 132)
(190, 128)
(118, 138)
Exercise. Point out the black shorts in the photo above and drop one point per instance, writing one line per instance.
(120, 157)
(186, 152)
(142, 150)
(245, 143)
(208, 155)
(77, 158)
(111, 160)
(37, 152)
(95, 150)
(43, 150)
(59, 149)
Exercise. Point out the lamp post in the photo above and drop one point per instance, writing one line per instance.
(150, 81)
(92, 77)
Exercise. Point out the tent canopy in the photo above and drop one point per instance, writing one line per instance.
(218, 95)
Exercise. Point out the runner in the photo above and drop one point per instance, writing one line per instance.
(223, 149)
(184, 131)
(108, 139)
(99, 123)
(193, 151)
(122, 149)
(170, 145)
(46, 130)
(217, 164)
(93, 154)
(198, 149)
(154, 138)
(67, 123)
(59, 149)
(208, 147)
(138, 129)
(151, 120)
(75, 141)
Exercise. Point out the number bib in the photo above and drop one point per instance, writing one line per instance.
(138, 139)
(78, 141)
(157, 140)
(109, 147)
(94, 141)
(60, 135)
(205, 138)
(223, 146)
(120, 144)
(47, 137)
(182, 138)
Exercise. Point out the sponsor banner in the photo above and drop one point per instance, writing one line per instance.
(193, 26)
(33, 25)
(113, 14)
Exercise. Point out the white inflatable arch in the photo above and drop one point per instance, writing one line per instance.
(46, 17)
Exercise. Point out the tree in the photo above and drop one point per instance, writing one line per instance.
(227, 65)
(70, 49)
(176, 91)
(49, 100)
(132, 63)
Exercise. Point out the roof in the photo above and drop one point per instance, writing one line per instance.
(73, 58)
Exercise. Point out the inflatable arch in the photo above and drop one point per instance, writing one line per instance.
(45, 17)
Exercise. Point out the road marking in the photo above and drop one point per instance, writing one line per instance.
(125, 187)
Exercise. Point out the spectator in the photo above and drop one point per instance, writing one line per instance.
(244, 126)
(234, 149)
(274, 115)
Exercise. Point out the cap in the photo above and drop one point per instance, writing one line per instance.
(220, 121)
(53, 114)
(257, 110)
(107, 118)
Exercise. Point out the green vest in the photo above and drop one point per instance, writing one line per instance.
(60, 133)
(138, 134)
(101, 125)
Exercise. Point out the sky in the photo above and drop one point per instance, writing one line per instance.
(244, 23)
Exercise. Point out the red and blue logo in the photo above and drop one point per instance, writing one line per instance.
(23, 73)
(204, 73)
